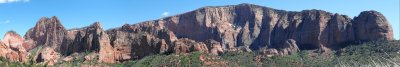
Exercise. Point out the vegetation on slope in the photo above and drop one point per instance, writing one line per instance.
(374, 53)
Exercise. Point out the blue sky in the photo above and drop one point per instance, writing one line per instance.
(20, 15)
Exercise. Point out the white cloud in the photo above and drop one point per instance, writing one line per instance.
(165, 13)
(12, 1)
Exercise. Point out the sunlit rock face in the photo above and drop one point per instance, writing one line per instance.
(250, 27)
(215, 30)
(11, 47)
(47, 32)
(247, 25)
(372, 25)
(12, 39)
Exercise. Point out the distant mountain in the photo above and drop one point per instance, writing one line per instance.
(215, 30)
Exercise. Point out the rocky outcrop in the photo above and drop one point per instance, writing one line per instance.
(254, 26)
(12, 47)
(4, 48)
(106, 52)
(372, 25)
(132, 42)
(48, 56)
(6, 52)
(12, 39)
(48, 32)
(215, 29)
(138, 41)
(215, 47)
(289, 47)
(90, 39)
(185, 45)
(247, 27)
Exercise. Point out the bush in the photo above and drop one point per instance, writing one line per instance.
(239, 58)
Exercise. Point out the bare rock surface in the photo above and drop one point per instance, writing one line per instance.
(12, 39)
(48, 56)
(12, 48)
(48, 32)
(372, 25)
(214, 29)
(250, 27)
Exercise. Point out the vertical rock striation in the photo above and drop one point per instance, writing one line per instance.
(215, 29)
(48, 32)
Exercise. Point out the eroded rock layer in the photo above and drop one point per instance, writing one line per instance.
(243, 27)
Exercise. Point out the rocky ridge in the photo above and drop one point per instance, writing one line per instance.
(12, 47)
(216, 29)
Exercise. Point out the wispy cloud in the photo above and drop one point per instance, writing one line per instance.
(12, 1)
(165, 13)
